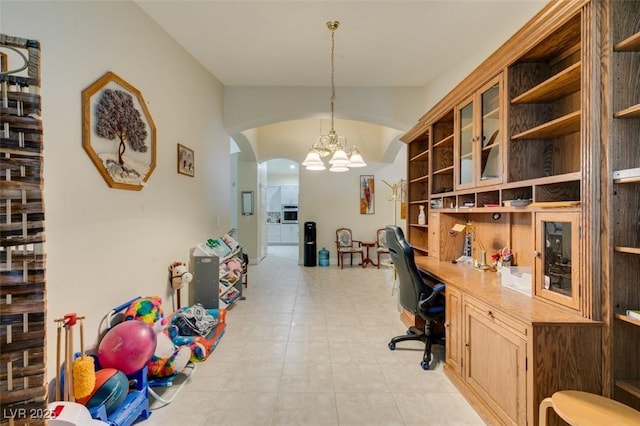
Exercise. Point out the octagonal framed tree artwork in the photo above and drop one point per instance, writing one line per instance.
(118, 132)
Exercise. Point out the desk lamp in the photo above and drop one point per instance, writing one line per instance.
(468, 228)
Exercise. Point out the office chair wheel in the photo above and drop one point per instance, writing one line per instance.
(424, 365)
(392, 346)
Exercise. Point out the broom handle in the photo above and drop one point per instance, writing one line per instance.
(82, 338)
(67, 374)
(72, 397)
(58, 366)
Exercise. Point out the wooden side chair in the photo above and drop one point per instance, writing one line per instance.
(381, 244)
(346, 245)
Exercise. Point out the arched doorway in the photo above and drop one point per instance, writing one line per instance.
(281, 220)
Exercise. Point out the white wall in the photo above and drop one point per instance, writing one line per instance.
(332, 201)
(105, 246)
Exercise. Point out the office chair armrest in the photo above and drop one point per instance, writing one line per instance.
(438, 289)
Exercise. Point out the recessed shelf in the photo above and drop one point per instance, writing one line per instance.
(631, 44)
(631, 112)
(562, 126)
(560, 85)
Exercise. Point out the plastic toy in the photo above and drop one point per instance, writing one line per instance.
(168, 359)
(201, 346)
(128, 346)
(111, 389)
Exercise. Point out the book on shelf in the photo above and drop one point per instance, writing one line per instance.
(218, 246)
(634, 313)
(230, 242)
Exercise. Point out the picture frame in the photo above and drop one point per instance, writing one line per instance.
(186, 161)
(118, 133)
(367, 194)
(246, 200)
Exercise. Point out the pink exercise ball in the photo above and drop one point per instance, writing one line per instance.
(127, 347)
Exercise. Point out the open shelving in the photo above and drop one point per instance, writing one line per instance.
(625, 199)
(545, 104)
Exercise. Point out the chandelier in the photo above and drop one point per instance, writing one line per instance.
(332, 143)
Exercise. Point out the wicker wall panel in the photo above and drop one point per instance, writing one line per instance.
(22, 259)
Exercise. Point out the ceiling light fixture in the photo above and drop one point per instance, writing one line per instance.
(332, 143)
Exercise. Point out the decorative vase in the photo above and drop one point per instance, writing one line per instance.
(422, 219)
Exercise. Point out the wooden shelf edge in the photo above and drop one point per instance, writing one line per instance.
(443, 170)
(554, 204)
(630, 44)
(630, 250)
(419, 202)
(443, 141)
(626, 318)
(631, 386)
(420, 249)
(627, 180)
(631, 112)
(415, 225)
(562, 126)
(567, 177)
(554, 88)
(419, 179)
(417, 156)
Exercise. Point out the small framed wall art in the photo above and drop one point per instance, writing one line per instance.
(186, 161)
(367, 194)
(118, 132)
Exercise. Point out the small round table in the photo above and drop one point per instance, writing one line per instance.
(588, 409)
(367, 260)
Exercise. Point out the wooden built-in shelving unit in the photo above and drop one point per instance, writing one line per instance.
(569, 117)
(624, 150)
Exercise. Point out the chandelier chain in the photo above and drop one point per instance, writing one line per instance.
(333, 87)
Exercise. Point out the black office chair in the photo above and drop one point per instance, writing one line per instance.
(422, 299)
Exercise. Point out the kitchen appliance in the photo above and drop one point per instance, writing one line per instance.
(290, 213)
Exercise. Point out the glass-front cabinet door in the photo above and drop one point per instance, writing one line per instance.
(557, 268)
(490, 136)
(466, 140)
(478, 137)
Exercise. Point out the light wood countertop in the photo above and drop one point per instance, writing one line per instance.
(485, 286)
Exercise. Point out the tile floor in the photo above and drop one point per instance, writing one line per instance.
(308, 346)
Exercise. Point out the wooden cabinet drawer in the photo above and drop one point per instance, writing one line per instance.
(497, 316)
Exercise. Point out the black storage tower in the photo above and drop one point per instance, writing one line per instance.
(309, 244)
